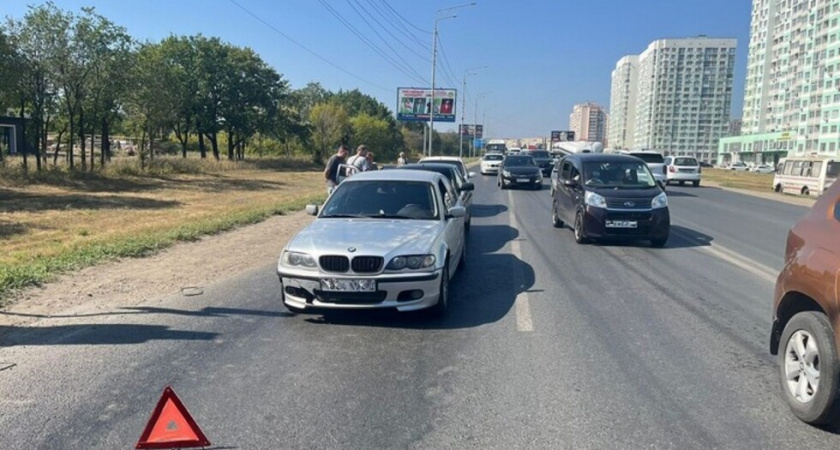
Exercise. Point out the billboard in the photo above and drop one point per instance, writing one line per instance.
(413, 104)
(560, 136)
(472, 130)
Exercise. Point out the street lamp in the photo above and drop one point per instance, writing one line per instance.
(477, 97)
(441, 14)
(469, 72)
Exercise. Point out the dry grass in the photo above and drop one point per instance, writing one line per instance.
(739, 180)
(61, 221)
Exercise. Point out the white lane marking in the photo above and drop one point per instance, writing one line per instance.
(522, 305)
(736, 259)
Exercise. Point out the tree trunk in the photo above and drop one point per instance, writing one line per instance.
(23, 134)
(58, 146)
(151, 145)
(214, 141)
(201, 148)
(106, 143)
(184, 145)
(231, 145)
(82, 149)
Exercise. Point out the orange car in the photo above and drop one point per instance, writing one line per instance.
(806, 325)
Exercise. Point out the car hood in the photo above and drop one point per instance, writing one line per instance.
(523, 170)
(641, 194)
(373, 237)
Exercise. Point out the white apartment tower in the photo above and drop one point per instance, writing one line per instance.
(684, 96)
(792, 92)
(622, 123)
(589, 122)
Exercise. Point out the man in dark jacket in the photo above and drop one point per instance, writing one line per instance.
(331, 171)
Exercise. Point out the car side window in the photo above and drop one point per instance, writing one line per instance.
(447, 194)
(574, 173)
(567, 170)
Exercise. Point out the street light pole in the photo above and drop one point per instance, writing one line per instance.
(477, 97)
(438, 18)
(464, 107)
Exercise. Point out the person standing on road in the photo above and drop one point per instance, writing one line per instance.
(401, 160)
(371, 164)
(359, 160)
(331, 171)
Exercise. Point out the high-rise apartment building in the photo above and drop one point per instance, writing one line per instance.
(622, 122)
(684, 96)
(792, 90)
(589, 122)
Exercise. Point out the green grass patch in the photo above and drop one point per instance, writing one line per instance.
(39, 270)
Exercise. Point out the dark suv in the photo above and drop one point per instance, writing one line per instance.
(610, 197)
(542, 158)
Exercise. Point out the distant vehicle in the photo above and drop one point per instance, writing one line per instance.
(764, 168)
(564, 148)
(490, 163)
(384, 239)
(495, 147)
(514, 151)
(680, 169)
(450, 160)
(806, 175)
(542, 158)
(806, 320)
(519, 170)
(739, 167)
(610, 197)
(654, 160)
(461, 185)
(705, 164)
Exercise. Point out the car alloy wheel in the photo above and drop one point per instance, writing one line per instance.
(555, 220)
(439, 309)
(580, 232)
(809, 369)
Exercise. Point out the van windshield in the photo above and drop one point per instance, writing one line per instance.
(617, 175)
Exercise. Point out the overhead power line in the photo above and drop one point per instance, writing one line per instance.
(395, 37)
(399, 25)
(313, 53)
(449, 75)
(396, 13)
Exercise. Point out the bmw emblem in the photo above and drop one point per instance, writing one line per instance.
(629, 204)
(351, 249)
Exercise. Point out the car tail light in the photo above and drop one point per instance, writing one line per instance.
(672, 169)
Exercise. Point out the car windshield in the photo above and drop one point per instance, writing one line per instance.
(519, 161)
(539, 154)
(493, 157)
(458, 164)
(382, 199)
(617, 175)
(447, 171)
(496, 147)
(654, 158)
(685, 162)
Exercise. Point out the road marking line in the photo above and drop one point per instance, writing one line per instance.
(734, 258)
(522, 304)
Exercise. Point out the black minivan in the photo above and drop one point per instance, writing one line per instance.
(610, 196)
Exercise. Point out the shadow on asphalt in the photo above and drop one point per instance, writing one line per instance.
(481, 293)
(209, 311)
(102, 334)
(681, 237)
(488, 210)
(672, 193)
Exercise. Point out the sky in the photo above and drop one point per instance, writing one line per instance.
(541, 56)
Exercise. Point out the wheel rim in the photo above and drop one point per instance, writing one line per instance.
(802, 366)
(578, 226)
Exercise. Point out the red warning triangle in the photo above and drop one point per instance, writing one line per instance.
(171, 426)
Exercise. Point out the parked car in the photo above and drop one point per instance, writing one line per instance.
(384, 239)
(739, 167)
(542, 158)
(654, 160)
(608, 196)
(764, 168)
(706, 165)
(450, 160)
(490, 163)
(462, 186)
(519, 170)
(806, 314)
(680, 169)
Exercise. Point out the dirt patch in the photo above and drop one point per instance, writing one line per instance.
(183, 268)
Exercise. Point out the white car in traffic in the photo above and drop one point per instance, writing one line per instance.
(490, 163)
(682, 169)
(384, 239)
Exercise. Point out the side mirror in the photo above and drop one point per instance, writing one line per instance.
(312, 210)
(456, 212)
(661, 184)
(570, 183)
(467, 187)
(471, 174)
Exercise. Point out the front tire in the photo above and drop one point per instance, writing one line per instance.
(810, 373)
(439, 310)
(806, 192)
(580, 229)
(696, 183)
(555, 219)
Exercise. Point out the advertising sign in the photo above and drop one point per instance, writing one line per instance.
(413, 104)
(561, 136)
(472, 130)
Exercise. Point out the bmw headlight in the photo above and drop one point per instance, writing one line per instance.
(412, 262)
(660, 201)
(297, 259)
(596, 200)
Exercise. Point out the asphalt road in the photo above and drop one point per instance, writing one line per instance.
(548, 344)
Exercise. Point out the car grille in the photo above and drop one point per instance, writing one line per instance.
(334, 263)
(625, 203)
(637, 216)
(368, 264)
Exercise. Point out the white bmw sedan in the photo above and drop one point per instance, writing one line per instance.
(384, 239)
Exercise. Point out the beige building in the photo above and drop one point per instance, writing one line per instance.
(622, 119)
(589, 122)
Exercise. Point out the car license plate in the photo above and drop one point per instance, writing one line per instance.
(348, 285)
(522, 180)
(622, 224)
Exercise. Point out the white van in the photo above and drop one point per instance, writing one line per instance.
(805, 175)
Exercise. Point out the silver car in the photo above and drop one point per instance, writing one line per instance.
(384, 239)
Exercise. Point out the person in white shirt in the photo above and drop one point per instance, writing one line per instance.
(401, 160)
(359, 160)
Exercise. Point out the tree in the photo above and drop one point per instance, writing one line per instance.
(306, 98)
(330, 124)
(374, 133)
(150, 105)
(182, 55)
(212, 56)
